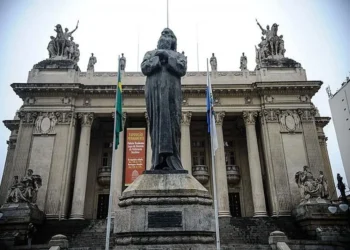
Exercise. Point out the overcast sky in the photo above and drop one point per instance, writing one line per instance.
(316, 34)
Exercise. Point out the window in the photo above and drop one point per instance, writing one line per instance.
(105, 160)
(198, 152)
(235, 204)
(229, 153)
(102, 206)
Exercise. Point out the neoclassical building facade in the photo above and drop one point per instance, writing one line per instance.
(267, 129)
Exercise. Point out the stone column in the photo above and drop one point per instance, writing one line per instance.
(82, 166)
(220, 169)
(119, 169)
(254, 164)
(149, 146)
(185, 148)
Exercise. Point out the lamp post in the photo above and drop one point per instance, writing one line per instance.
(344, 205)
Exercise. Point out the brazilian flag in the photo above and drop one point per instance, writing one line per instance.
(118, 108)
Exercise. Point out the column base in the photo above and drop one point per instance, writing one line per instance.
(224, 214)
(76, 217)
(260, 214)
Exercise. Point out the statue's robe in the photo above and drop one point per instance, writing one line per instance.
(163, 102)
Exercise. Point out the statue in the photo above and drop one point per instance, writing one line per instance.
(60, 40)
(62, 46)
(341, 187)
(26, 190)
(213, 63)
(122, 62)
(51, 47)
(164, 68)
(324, 184)
(76, 54)
(244, 62)
(309, 186)
(92, 62)
(272, 47)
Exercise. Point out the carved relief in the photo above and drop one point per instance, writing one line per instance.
(30, 100)
(269, 98)
(219, 117)
(184, 101)
(303, 98)
(45, 123)
(290, 121)
(87, 101)
(248, 100)
(250, 117)
(186, 118)
(66, 100)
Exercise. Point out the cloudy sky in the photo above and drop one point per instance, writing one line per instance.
(316, 34)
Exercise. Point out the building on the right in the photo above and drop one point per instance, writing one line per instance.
(340, 108)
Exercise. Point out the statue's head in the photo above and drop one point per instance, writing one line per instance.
(306, 168)
(243, 54)
(66, 29)
(29, 172)
(52, 37)
(167, 40)
(262, 38)
(321, 172)
(213, 54)
(268, 27)
(71, 38)
(122, 54)
(92, 54)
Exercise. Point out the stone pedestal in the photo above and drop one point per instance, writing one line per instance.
(165, 211)
(314, 217)
(14, 221)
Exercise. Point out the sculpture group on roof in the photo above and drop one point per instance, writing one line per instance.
(63, 46)
(270, 50)
(272, 45)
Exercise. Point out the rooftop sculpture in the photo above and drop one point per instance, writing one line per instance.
(270, 51)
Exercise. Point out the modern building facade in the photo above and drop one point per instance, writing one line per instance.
(267, 130)
(340, 108)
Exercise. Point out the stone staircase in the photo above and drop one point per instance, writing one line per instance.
(256, 230)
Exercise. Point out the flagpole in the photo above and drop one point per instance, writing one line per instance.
(167, 13)
(108, 231)
(217, 232)
(197, 48)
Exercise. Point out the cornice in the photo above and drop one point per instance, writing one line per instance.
(11, 124)
(188, 74)
(322, 121)
(24, 90)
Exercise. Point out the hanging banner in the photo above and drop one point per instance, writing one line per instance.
(135, 160)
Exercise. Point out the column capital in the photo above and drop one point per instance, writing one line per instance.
(65, 117)
(186, 118)
(270, 115)
(250, 117)
(307, 115)
(219, 117)
(28, 117)
(86, 118)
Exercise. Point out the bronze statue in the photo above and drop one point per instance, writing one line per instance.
(164, 68)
